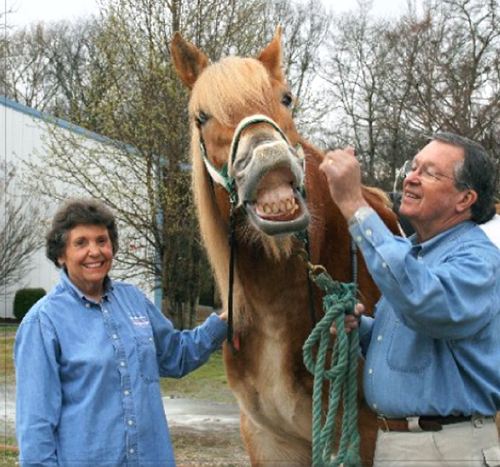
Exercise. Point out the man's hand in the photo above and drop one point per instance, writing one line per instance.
(343, 173)
(350, 321)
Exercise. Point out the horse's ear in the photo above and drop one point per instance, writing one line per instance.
(188, 60)
(271, 56)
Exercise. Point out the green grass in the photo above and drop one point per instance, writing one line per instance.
(6, 358)
(8, 457)
(207, 382)
(7, 335)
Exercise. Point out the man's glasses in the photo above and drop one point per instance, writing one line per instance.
(425, 172)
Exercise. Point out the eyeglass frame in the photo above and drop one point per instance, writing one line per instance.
(408, 168)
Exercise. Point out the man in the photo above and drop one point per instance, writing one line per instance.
(432, 369)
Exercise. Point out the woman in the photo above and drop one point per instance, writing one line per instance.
(89, 355)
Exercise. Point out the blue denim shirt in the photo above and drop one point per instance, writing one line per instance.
(434, 345)
(87, 391)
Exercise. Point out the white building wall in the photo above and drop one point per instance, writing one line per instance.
(23, 137)
(20, 138)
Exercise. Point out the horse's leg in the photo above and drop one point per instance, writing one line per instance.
(269, 449)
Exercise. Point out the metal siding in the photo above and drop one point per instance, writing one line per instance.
(20, 137)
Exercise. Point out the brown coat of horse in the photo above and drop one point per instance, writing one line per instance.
(271, 313)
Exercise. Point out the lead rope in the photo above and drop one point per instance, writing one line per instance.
(230, 314)
(233, 199)
(340, 378)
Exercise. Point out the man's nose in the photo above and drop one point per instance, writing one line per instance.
(414, 176)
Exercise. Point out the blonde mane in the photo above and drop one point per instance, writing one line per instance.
(380, 195)
(213, 231)
(228, 87)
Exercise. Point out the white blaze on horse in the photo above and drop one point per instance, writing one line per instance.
(247, 166)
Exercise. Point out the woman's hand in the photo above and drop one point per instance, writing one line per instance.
(223, 316)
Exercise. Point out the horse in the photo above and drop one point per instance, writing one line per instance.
(250, 181)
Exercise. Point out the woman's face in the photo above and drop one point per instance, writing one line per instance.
(88, 257)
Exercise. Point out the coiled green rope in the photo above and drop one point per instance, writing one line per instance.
(341, 377)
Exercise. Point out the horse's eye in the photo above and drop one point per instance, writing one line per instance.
(287, 100)
(201, 118)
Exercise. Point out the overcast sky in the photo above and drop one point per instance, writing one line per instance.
(28, 11)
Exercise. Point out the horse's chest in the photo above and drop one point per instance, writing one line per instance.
(270, 391)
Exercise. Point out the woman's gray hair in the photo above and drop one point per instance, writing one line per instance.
(78, 212)
(478, 172)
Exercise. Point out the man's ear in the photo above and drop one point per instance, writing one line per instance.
(60, 261)
(468, 198)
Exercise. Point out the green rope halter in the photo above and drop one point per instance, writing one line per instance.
(341, 377)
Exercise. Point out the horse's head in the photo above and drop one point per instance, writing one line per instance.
(242, 130)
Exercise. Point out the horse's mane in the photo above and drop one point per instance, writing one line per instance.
(213, 231)
(380, 195)
(231, 85)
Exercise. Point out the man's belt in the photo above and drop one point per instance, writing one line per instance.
(422, 423)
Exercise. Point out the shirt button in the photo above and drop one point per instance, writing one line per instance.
(359, 238)
(374, 406)
(131, 450)
(126, 393)
(122, 363)
(370, 371)
(384, 265)
(115, 336)
(87, 305)
(379, 338)
(368, 232)
(130, 422)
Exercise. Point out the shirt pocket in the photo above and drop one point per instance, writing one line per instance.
(408, 352)
(146, 354)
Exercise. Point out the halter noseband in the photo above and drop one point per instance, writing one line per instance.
(225, 175)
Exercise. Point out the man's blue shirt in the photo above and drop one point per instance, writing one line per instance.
(88, 391)
(434, 345)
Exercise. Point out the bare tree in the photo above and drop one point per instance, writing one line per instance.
(392, 84)
(355, 71)
(19, 231)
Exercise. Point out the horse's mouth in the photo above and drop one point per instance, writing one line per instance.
(277, 207)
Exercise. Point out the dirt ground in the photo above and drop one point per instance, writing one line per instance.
(208, 448)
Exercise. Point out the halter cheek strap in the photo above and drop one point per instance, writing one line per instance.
(218, 176)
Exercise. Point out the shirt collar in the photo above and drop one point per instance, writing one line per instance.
(448, 235)
(73, 289)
